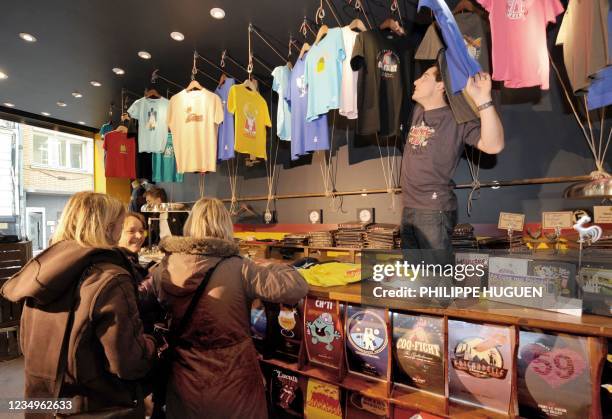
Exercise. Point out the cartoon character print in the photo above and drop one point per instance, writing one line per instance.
(192, 116)
(322, 330)
(151, 119)
(419, 136)
(169, 151)
(388, 63)
(516, 9)
(250, 114)
(473, 45)
(301, 85)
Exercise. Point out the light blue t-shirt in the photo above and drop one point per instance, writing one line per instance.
(280, 84)
(152, 123)
(323, 74)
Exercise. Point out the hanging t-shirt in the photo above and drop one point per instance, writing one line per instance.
(225, 149)
(251, 117)
(306, 135)
(193, 118)
(120, 155)
(520, 52)
(431, 154)
(584, 36)
(600, 92)
(461, 64)
(152, 123)
(106, 128)
(348, 96)
(280, 84)
(384, 61)
(323, 74)
(164, 165)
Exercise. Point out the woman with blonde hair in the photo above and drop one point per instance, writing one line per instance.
(81, 335)
(215, 371)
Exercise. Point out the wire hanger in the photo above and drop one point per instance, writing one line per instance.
(323, 29)
(464, 6)
(357, 24)
(359, 7)
(194, 85)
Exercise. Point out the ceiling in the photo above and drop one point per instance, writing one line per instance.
(80, 41)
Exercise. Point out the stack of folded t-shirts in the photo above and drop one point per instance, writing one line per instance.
(295, 239)
(605, 243)
(503, 242)
(463, 237)
(381, 236)
(351, 235)
(321, 239)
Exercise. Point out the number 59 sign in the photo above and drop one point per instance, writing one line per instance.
(558, 366)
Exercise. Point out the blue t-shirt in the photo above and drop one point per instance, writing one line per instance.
(323, 74)
(461, 64)
(225, 146)
(152, 123)
(600, 91)
(280, 84)
(164, 164)
(305, 136)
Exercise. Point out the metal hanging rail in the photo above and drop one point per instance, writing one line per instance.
(334, 12)
(155, 76)
(253, 29)
(226, 56)
(221, 69)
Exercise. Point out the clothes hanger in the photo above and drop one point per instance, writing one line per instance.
(152, 94)
(250, 84)
(304, 50)
(222, 79)
(321, 34)
(357, 24)
(392, 25)
(464, 6)
(194, 85)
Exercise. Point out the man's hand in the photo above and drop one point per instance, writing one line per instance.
(479, 88)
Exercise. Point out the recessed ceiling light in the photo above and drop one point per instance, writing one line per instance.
(177, 36)
(77, 95)
(27, 37)
(9, 104)
(95, 83)
(81, 122)
(118, 71)
(3, 75)
(217, 13)
(45, 114)
(61, 104)
(144, 55)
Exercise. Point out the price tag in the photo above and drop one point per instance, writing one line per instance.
(511, 221)
(603, 214)
(557, 219)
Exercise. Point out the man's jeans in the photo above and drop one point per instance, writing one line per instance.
(429, 230)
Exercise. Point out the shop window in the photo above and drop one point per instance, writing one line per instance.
(61, 151)
(41, 150)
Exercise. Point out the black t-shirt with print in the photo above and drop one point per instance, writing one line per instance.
(431, 154)
(384, 61)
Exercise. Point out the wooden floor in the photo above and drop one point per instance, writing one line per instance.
(11, 383)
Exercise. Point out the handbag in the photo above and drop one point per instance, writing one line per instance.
(168, 354)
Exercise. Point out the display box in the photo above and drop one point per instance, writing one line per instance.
(359, 406)
(285, 393)
(290, 330)
(597, 290)
(323, 400)
(323, 332)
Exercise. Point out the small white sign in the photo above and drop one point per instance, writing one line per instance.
(511, 221)
(3, 226)
(603, 214)
(557, 219)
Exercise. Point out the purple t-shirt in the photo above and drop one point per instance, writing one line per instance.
(305, 136)
(225, 149)
(600, 92)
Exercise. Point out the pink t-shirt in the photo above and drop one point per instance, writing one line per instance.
(520, 51)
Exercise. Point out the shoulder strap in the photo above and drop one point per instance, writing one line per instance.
(182, 326)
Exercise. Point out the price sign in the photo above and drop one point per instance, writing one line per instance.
(603, 214)
(557, 219)
(511, 221)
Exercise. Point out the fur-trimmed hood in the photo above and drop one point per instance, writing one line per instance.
(205, 247)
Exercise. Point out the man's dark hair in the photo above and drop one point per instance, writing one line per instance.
(438, 72)
(156, 192)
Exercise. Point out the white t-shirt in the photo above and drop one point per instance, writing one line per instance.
(348, 95)
(193, 118)
(152, 123)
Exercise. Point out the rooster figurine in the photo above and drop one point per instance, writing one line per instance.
(587, 234)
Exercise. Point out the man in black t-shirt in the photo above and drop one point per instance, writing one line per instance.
(431, 154)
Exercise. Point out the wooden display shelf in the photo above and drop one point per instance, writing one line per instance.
(323, 374)
(370, 388)
(490, 311)
(466, 411)
(421, 400)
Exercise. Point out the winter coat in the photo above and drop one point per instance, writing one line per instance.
(216, 374)
(106, 349)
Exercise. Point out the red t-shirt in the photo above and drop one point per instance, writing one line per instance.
(120, 160)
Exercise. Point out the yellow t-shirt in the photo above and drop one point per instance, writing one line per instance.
(331, 274)
(251, 117)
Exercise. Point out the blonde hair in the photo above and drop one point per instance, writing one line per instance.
(209, 218)
(87, 219)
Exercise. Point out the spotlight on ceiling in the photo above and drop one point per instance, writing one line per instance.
(118, 71)
(81, 123)
(45, 114)
(61, 104)
(9, 104)
(77, 95)
(144, 55)
(217, 13)
(177, 36)
(27, 37)
(3, 75)
(95, 83)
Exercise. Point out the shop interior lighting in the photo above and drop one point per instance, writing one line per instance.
(144, 55)
(27, 37)
(95, 83)
(9, 104)
(217, 13)
(118, 71)
(177, 36)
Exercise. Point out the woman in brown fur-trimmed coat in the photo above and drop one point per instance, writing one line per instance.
(216, 374)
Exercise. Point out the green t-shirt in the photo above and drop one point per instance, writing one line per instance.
(164, 165)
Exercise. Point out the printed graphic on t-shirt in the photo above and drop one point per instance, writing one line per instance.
(250, 114)
(169, 151)
(123, 149)
(419, 136)
(321, 65)
(388, 62)
(516, 9)
(192, 116)
(152, 119)
(473, 46)
(301, 85)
